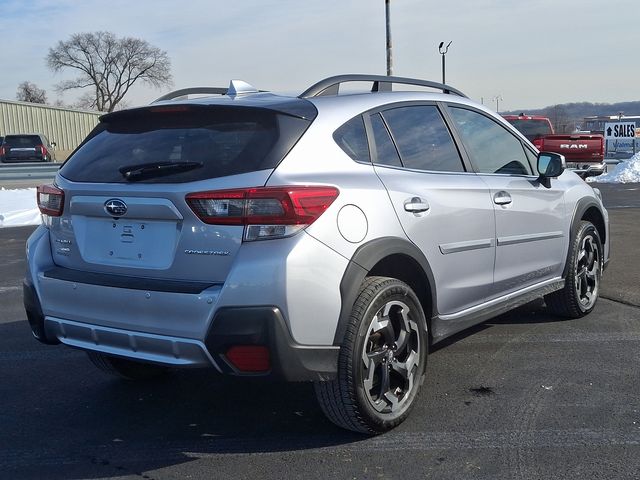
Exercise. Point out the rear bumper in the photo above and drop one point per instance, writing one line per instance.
(241, 326)
(193, 324)
(587, 169)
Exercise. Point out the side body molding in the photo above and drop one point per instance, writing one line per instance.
(364, 259)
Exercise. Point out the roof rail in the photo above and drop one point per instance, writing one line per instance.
(235, 88)
(380, 83)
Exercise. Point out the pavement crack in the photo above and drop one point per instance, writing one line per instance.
(622, 302)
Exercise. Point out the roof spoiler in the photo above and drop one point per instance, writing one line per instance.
(236, 88)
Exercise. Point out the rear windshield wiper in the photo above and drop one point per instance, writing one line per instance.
(156, 169)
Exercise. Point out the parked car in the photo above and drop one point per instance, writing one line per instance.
(332, 238)
(584, 152)
(32, 147)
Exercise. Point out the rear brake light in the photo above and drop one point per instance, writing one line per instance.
(265, 212)
(50, 200)
(2, 151)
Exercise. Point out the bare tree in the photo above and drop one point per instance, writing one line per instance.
(108, 66)
(29, 92)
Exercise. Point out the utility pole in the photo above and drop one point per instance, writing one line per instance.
(443, 52)
(389, 56)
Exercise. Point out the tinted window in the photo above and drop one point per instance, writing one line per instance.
(532, 129)
(492, 148)
(423, 140)
(225, 140)
(352, 138)
(386, 153)
(24, 141)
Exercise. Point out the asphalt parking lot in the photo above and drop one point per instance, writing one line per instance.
(523, 396)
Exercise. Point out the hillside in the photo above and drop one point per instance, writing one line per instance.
(567, 116)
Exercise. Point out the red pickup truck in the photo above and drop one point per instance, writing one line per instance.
(584, 153)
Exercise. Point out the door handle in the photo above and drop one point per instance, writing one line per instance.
(416, 205)
(502, 198)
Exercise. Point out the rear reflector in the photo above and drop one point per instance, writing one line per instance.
(266, 212)
(249, 358)
(50, 200)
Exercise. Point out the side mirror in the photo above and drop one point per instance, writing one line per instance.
(53, 144)
(550, 165)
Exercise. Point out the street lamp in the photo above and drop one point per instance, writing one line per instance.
(443, 52)
(497, 99)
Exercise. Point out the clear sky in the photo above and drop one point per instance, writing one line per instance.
(533, 53)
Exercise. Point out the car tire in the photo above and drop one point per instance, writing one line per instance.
(382, 359)
(127, 369)
(582, 283)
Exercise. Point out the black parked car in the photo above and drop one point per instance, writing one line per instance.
(32, 147)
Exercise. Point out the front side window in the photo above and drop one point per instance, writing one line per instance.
(491, 147)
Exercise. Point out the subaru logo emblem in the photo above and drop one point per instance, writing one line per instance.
(115, 207)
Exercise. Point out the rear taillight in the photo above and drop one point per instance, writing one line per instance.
(265, 212)
(2, 151)
(40, 149)
(50, 200)
(538, 143)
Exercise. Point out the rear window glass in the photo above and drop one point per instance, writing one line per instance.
(209, 141)
(532, 129)
(25, 141)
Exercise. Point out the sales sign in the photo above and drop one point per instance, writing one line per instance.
(619, 130)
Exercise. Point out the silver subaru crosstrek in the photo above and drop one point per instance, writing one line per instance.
(331, 237)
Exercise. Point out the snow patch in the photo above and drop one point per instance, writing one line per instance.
(18, 207)
(624, 172)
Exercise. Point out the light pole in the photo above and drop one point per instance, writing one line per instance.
(389, 57)
(443, 52)
(497, 99)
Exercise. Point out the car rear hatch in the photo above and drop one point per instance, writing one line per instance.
(128, 217)
(22, 148)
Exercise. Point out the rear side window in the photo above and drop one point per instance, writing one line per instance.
(423, 139)
(22, 141)
(352, 138)
(209, 142)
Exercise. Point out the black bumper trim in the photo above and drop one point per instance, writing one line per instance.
(34, 313)
(290, 361)
(122, 281)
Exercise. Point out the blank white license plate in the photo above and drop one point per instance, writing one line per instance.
(148, 244)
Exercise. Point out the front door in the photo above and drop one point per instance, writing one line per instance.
(531, 235)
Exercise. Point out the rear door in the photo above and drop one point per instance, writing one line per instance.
(531, 234)
(444, 209)
(126, 211)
